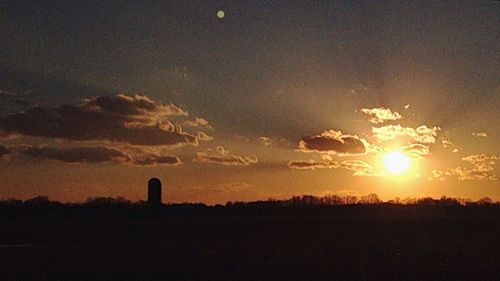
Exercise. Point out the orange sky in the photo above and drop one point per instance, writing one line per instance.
(270, 101)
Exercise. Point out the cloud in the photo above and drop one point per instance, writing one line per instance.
(223, 157)
(231, 187)
(333, 141)
(380, 115)
(421, 134)
(446, 142)
(360, 168)
(134, 120)
(480, 135)
(204, 137)
(312, 164)
(482, 168)
(157, 160)
(358, 88)
(73, 155)
(13, 98)
(3, 150)
(482, 162)
(464, 174)
(371, 148)
(133, 106)
(93, 154)
(197, 122)
(266, 141)
(416, 150)
(438, 175)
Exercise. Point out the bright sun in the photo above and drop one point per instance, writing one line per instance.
(396, 162)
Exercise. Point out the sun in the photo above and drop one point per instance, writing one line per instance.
(396, 162)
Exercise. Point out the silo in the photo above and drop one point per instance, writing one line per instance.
(154, 192)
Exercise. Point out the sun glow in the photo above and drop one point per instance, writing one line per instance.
(396, 162)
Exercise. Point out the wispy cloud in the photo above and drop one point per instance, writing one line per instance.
(266, 141)
(446, 142)
(359, 167)
(416, 150)
(479, 134)
(482, 169)
(203, 136)
(13, 99)
(422, 134)
(197, 122)
(224, 157)
(380, 115)
(231, 187)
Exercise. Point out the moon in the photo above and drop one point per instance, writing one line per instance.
(220, 14)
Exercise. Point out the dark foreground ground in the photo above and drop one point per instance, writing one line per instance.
(324, 243)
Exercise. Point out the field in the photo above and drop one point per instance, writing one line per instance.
(318, 243)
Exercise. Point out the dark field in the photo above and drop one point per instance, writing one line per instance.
(333, 243)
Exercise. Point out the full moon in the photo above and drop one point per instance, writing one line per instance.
(220, 14)
(396, 162)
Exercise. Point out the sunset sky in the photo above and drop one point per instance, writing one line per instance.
(268, 99)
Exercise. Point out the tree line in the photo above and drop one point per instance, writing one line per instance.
(295, 201)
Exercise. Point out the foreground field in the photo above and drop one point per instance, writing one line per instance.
(342, 243)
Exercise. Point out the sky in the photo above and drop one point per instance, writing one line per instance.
(273, 99)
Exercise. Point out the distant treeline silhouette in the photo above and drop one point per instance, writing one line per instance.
(121, 207)
(370, 199)
(295, 201)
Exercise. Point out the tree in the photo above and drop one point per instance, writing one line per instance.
(371, 198)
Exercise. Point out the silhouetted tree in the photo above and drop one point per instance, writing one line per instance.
(485, 201)
(38, 201)
(349, 199)
(371, 198)
(102, 201)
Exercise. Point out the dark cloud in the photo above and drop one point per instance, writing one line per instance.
(136, 105)
(13, 98)
(332, 141)
(156, 160)
(223, 157)
(3, 150)
(92, 154)
(134, 120)
(311, 165)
